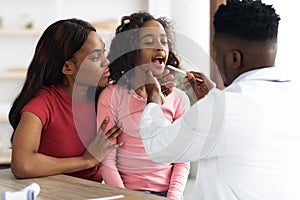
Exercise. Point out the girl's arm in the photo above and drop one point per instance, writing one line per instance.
(180, 171)
(178, 180)
(108, 167)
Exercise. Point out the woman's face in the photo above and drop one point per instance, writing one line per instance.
(91, 63)
(154, 48)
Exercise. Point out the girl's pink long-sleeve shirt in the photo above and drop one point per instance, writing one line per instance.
(129, 166)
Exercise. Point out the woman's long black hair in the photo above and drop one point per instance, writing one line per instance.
(58, 43)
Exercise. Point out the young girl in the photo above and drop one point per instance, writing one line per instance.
(46, 140)
(142, 42)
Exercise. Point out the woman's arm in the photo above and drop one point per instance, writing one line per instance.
(27, 162)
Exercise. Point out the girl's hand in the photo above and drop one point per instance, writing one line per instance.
(153, 89)
(167, 82)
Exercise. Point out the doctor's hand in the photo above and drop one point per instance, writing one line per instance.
(200, 88)
(153, 89)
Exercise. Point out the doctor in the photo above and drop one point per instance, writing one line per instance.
(247, 136)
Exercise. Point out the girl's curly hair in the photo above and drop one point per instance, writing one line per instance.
(124, 49)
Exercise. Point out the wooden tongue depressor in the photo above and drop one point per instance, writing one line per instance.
(182, 72)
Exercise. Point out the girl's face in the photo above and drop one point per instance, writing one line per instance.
(91, 63)
(154, 48)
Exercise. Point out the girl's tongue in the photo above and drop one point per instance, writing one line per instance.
(156, 61)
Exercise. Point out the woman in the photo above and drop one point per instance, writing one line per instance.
(142, 42)
(49, 138)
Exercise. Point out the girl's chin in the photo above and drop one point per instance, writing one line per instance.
(157, 72)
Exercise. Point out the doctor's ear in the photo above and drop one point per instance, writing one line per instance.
(234, 58)
(68, 68)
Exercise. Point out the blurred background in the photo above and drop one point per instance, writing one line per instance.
(23, 21)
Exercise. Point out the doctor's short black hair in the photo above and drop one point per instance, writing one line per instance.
(247, 19)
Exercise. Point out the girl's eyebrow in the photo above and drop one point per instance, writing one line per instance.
(148, 35)
(152, 35)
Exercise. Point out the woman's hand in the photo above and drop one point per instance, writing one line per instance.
(102, 145)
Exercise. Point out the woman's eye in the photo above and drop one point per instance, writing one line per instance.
(95, 59)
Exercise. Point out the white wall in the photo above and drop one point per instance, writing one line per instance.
(95, 10)
(288, 35)
(191, 19)
(14, 13)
